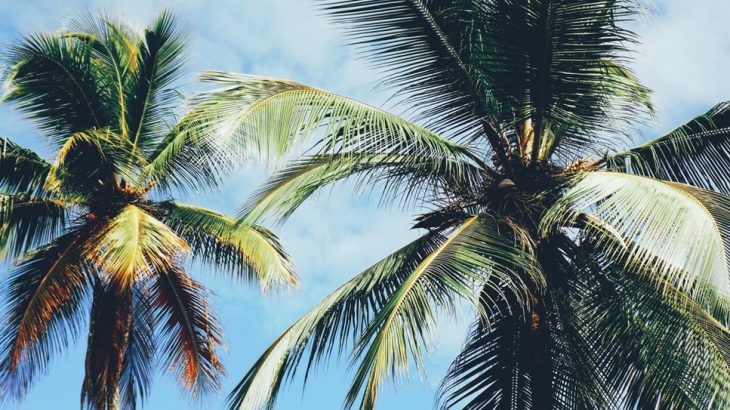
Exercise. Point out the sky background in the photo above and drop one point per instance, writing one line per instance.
(684, 57)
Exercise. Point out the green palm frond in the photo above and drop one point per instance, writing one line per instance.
(429, 53)
(248, 251)
(27, 222)
(149, 99)
(43, 295)
(672, 232)
(21, 170)
(695, 153)
(408, 177)
(190, 332)
(613, 304)
(334, 322)
(133, 246)
(52, 79)
(478, 251)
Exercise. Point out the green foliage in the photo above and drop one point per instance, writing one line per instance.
(86, 233)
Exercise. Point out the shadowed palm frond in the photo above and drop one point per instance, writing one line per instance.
(21, 170)
(612, 303)
(190, 332)
(139, 356)
(52, 79)
(697, 153)
(149, 99)
(43, 295)
(27, 222)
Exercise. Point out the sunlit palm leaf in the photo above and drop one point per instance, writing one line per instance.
(133, 245)
(697, 153)
(248, 251)
(410, 178)
(674, 231)
(479, 251)
(332, 324)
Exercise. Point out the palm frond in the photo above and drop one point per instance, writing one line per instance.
(674, 359)
(249, 251)
(139, 356)
(161, 59)
(481, 250)
(27, 222)
(133, 245)
(114, 47)
(410, 178)
(330, 325)
(190, 332)
(21, 170)
(695, 153)
(52, 79)
(547, 61)
(43, 295)
(429, 53)
(672, 232)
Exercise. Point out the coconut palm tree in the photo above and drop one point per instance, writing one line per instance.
(96, 230)
(598, 274)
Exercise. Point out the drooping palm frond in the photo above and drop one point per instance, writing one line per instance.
(410, 178)
(21, 170)
(109, 331)
(332, 324)
(27, 222)
(248, 251)
(429, 52)
(43, 296)
(139, 355)
(478, 251)
(695, 153)
(190, 332)
(670, 231)
(396, 298)
(52, 80)
(133, 245)
(612, 304)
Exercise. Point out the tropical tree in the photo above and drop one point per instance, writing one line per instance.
(96, 230)
(598, 275)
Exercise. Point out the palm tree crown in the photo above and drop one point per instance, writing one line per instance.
(93, 229)
(598, 276)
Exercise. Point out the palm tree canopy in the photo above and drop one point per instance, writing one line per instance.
(598, 274)
(95, 229)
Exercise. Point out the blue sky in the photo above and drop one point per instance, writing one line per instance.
(684, 57)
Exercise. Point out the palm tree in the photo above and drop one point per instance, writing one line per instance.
(598, 276)
(96, 228)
